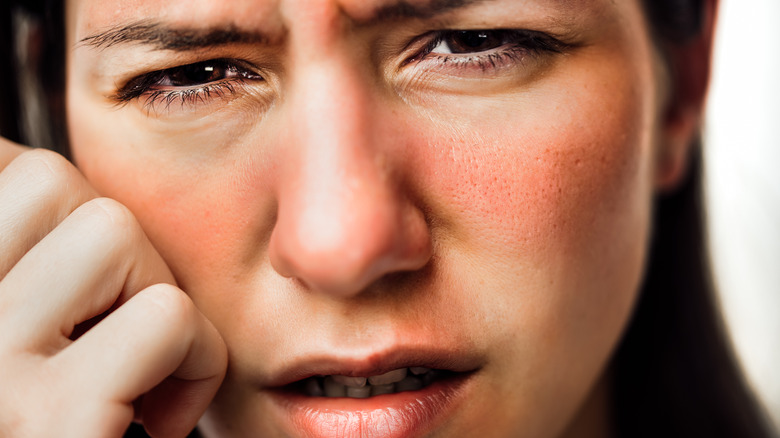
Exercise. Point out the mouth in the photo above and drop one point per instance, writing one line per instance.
(391, 382)
(323, 399)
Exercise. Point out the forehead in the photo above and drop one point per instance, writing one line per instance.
(92, 15)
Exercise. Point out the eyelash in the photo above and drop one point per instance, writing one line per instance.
(515, 46)
(185, 96)
(145, 85)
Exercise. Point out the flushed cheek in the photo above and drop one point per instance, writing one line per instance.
(555, 219)
(552, 198)
(209, 221)
(528, 190)
(549, 205)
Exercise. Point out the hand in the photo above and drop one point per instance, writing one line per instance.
(71, 262)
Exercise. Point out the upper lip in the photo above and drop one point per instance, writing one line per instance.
(379, 362)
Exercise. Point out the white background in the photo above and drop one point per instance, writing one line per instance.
(742, 149)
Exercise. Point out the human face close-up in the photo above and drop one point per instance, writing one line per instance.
(352, 187)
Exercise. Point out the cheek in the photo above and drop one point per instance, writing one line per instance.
(207, 217)
(548, 209)
(531, 180)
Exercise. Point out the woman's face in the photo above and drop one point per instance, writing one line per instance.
(351, 187)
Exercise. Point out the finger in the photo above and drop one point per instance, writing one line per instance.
(96, 257)
(37, 191)
(156, 334)
(173, 408)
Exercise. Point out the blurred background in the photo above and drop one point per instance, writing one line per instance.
(742, 142)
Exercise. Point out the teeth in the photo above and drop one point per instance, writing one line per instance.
(361, 392)
(419, 370)
(409, 384)
(383, 389)
(350, 381)
(403, 379)
(389, 377)
(333, 388)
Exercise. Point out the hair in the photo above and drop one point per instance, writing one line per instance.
(673, 374)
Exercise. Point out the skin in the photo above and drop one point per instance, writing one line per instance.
(351, 202)
(173, 352)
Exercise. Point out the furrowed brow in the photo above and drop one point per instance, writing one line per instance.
(404, 9)
(164, 37)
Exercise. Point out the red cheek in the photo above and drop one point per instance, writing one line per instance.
(527, 191)
(200, 222)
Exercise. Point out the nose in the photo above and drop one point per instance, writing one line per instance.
(344, 219)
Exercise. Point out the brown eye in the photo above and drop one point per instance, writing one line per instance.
(198, 73)
(210, 77)
(470, 41)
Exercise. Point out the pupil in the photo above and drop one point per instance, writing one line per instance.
(199, 73)
(473, 41)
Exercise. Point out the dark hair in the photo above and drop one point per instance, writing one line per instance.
(32, 107)
(674, 373)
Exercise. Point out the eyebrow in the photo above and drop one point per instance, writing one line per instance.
(165, 37)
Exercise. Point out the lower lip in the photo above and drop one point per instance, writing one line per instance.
(403, 414)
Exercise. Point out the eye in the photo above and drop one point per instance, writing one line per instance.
(199, 73)
(189, 83)
(469, 41)
(464, 53)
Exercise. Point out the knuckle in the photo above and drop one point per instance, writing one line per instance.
(46, 170)
(111, 220)
(51, 159)
(175, 306)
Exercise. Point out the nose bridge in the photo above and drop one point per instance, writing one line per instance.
(340, 165)
(335, 111)
(330, 92)
(342, 220)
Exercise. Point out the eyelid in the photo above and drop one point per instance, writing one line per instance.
(536, 41)
(143, 83)
(507, 68)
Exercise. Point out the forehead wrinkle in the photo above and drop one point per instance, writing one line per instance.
(405, 9)
(170, 37)
(367, 12)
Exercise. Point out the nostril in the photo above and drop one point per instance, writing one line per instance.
(331, 270)
(345, 255)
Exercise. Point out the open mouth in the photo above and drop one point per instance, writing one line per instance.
(393, 392)
(391, 382)
(401, 403)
